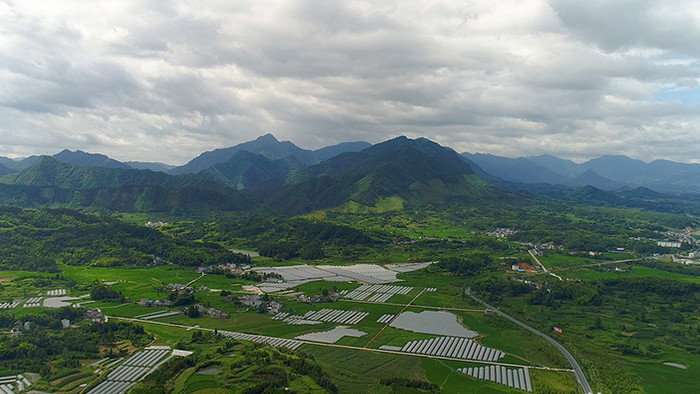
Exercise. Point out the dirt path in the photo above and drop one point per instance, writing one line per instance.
(394, 318)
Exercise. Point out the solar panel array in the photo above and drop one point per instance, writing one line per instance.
(323, 315)
(517, 378)
(159, 315)
(336, 316)
(379, 297)
(12, 383)
(431, 289)
(453, 347)
(33, 302)
(113, 363)
(58, 292)
(131, 371)
(281, 342)
(377, 293)
(10, 305)
(146, 358)
(385, 318)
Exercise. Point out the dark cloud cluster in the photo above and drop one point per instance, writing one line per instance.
(163, 81)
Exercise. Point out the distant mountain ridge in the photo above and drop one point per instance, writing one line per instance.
(397, 173)
(4, 170)
(269, 147)
(605, 172)
(153, 166)
(83, 159)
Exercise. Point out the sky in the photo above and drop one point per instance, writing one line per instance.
(166, 80)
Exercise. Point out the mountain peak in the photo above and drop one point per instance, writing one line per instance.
(267, 138)
(85, 159)
(418, 172)
(266, 145)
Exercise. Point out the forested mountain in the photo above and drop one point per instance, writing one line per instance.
(418, 171)
(412, 172)
(84, 159)
(36, 240)
(326, 153)
(50, 181)
(19, 164)
(515, 170)
(269, 147)
(245, 170)
(4, 170)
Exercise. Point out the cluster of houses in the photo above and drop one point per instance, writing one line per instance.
(147, 302)
(179, 288)
(263, 305)
(523, 267)
(537, 285)
(211, 312)
(156, 224)
(331, 296)
(501, 232)
(229, 268)
(94, 315)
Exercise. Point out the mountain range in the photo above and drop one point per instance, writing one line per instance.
(414, 172)
(51, 181)
(269, 147)
(283, 179)
(606, 172)
(418, 172)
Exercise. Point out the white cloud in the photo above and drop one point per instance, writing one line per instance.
(152, 80)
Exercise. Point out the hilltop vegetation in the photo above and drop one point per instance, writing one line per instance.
(38, 240)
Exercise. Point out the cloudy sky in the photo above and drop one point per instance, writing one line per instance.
(166, 80)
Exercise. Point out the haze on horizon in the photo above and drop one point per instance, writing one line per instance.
(165, 81)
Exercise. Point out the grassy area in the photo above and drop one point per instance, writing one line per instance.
(134, 283)
(631, 271)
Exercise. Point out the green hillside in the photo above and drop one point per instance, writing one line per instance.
(420, 172)
(50, 181)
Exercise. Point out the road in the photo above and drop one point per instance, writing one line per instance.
(394, 318)
(532, 253)
(598, 264)
(195, 279)
(577, 369)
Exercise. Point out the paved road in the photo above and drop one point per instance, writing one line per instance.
(577, 369)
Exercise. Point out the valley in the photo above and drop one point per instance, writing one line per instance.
(395, 267)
